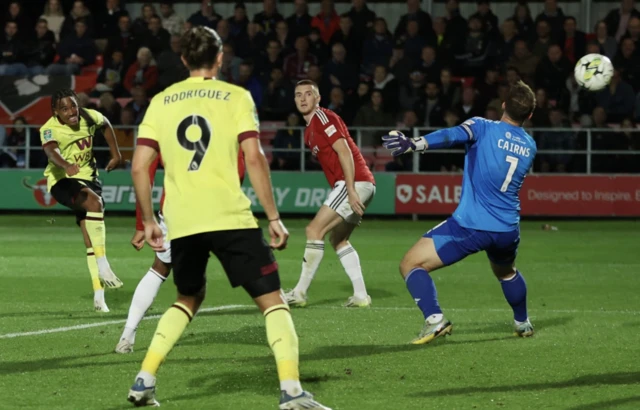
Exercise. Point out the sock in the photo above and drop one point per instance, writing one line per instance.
(283, 341)
(423, 291)
(313, 253)
(351, 264)
(515, 291)
(93, 270)
(170, 328)
(143, 297)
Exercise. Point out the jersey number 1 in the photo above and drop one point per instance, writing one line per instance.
(200, 146)
(513, 164)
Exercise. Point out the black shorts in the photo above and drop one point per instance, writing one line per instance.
(66, 191)
(243, 253)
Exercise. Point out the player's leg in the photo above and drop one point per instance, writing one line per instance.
(190, 255)
(350, 260)
(99, 303)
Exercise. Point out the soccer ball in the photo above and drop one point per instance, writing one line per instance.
(593, 72)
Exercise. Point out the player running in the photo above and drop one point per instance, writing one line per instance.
(353, 189)
(149, 285)
(499, 155)
(198, 125)
(72, 179)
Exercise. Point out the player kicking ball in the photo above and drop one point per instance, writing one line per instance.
(498, 156)
(199, 125)
(353, 189)
(72, 179)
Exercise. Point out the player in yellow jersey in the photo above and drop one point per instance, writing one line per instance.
(72, 179)
(198, 125)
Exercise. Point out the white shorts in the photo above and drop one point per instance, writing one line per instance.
(338, 200)
(166, 255)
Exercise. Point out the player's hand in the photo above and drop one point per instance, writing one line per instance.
(356, 203)
(113, 163)
(279, 234)
(398, 143)
(154, 236)
(72, 169)
(138, 240)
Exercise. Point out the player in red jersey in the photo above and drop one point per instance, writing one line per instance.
(353, 189)
(149, 285)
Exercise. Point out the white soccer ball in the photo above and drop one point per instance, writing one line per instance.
(593, 72)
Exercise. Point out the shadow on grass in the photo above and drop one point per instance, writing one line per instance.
(539, 324)
(608, 404)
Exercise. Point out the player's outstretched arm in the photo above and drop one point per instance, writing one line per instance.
(143, 157)
(110, 137)
(260, 177)
(55, 156)
(400, 144)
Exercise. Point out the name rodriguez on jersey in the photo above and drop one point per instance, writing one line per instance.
(514, 148)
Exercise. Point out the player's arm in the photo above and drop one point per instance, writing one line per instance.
(143, 157)
(399, 144)
(345, 156)
(55, 157)
(259, 175)
(138, 237)
(110, 137)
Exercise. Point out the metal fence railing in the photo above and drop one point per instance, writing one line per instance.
(573, 150)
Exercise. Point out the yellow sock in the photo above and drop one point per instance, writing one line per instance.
(93, 270)
(94, 223)
(170, 328)
(283, 341)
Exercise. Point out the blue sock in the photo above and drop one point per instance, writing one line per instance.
(423, 291)
(515, 291)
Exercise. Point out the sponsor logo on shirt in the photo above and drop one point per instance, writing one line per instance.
(47, 135)
(330, 130)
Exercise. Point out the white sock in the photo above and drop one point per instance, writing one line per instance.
(313, 253)
(103, 264)
(149, 379)
(435, 318)
(143, 297)
(351, 264)
(98, 295)
(292, 387)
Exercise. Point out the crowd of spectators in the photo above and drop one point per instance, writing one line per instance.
(427, 71)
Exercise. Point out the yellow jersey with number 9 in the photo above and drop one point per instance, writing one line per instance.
(197, 126)
(76, 146)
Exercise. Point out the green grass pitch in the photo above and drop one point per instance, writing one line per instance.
(584, 286)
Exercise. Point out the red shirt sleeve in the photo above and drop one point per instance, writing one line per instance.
(329, 126)
(152, 175)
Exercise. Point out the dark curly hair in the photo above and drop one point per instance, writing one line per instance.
(200, 47)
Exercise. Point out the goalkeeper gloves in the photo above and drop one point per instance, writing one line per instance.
(399, 144)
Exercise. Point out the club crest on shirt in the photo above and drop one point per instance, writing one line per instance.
(47, 135)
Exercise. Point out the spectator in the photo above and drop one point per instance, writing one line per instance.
(268, 17)
(487, 88)
(239, 21)
(573, 41)
(296, 65)
(543, 40)
(469, 106)
(634, 31)
(230, 69)
(42, 50)
(617, 99)
(207, 16)
(445, 42)
(386, 83)
(336, 104)
(489, 20)
(327, 21)
(492, 114)
(340, 73)
(618, 19)
(253, 41)
(140, 26)
(18, 15)
(399, 65)
(402, 163)
(456, 24)
(350, 39)
(429, 108)
(361, 97)
(604, 140)
(249, 82)
(157, 38)
(75, 52)
(84, 101)
(110, 108)
(523, 61)
(632, 139)
(170, 67)
(139, 104)
(449, 91)
(608, 45)
(171, 21)
(125, 41)
(478, 49)
(317, 46)
(299, 22)
(111, 76)
(627, 62)
(414, 13)
(79, 11)
(413, 42)
(377, 48)
(540, 117)
(524, 23)
(277, 99)
(272, 59)
(286, 146)
(513, 76)
(125, 134)
(428, 64)
(554, 16)
(12, 52)
(13, 156)
(107, 24)
(556, 141)
(362, 18)
(373, 115)
(315, 74)
(224, 32)
(143, 73)
(282, 36)
(411, 92)
(552, 72)
(507, 40)
(496, 103)
(55, 17)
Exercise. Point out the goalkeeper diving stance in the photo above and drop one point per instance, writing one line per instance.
(498, 156)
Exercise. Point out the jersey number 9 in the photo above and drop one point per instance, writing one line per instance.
(200, 146)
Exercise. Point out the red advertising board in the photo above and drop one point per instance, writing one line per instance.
(566, 195)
